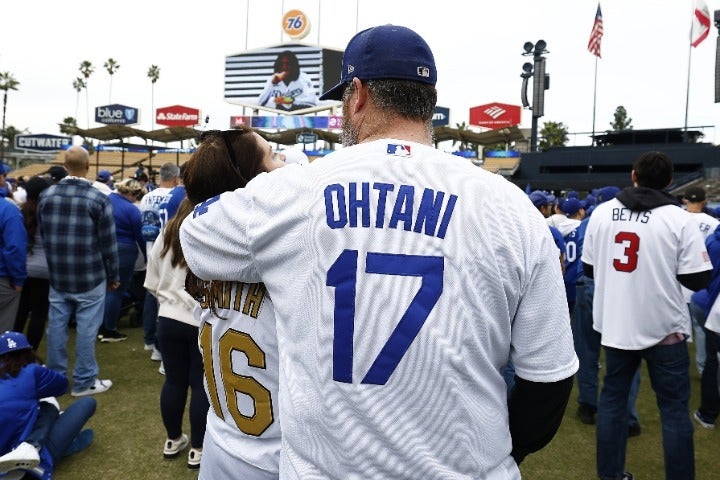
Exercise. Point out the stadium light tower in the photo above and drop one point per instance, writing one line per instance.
(541, 82)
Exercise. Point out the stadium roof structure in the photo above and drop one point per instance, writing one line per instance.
(285, 137)
(120, 132)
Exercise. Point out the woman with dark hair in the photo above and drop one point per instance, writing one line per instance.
(34, 299)
(237, 326)
(288, 88)
(33, 434)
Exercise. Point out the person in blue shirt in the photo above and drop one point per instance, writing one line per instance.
(34, 436)
(13, 271)
(128, 229)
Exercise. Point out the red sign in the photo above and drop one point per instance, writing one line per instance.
(177, 116)
(495, 115)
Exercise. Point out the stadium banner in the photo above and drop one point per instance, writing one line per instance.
(117, 114)
(42, 142)
(177, 116)
(441, 117)
(287, 122)
(495, 115)
(287, 78)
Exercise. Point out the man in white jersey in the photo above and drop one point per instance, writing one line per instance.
(695, 201)
(154, 219)
(640, 247)
(403, 282)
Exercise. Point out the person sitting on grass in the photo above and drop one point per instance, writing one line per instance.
(33, 434)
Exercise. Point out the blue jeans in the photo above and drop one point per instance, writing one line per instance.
(668, 368)
(68, 425)
(149, 319)
(697, 315)
(127, 254)
(88, 309)
(587, 348)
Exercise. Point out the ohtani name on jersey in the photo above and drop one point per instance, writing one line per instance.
(627, 215)
(232, 295)
(382, 205)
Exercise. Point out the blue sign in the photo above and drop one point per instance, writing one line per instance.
(441, 117)
(42, 142)
(116, 115)
(502, 154)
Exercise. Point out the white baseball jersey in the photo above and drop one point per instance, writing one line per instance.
(301, 92)
(707, 225)
(636, 257)
(403, 280)
(238, 343)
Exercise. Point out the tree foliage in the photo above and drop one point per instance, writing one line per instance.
(553, 134)
(621, 120)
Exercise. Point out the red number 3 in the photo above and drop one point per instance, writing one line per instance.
(632, 245)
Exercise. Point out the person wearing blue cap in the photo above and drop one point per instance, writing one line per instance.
(104, 182)
(385, 317)
(34, 435)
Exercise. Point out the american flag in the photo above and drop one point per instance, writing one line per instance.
(596, 34)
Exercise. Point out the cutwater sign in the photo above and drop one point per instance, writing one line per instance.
(116, 115)
(42, 142)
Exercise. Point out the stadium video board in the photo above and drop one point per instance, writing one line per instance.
(286, 78)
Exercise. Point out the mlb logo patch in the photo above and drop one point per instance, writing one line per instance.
(399, 150)
(423, 72)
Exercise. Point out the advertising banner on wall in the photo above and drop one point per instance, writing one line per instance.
(42, 142)
(441, 117)
(286, 78)
(117, 114)
(287, 122)
(177, 116)
(495, 115)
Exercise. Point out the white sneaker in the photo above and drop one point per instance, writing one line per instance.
(99, 386)
(147, 347)
(161, 369)
(173, 447)
(155, 356)
(23, 456)
(194, 457)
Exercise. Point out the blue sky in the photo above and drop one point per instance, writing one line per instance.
(477, 45)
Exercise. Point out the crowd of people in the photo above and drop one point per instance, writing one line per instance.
(330, 321)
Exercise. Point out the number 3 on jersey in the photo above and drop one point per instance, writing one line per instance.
(631, 241)
(343, 276)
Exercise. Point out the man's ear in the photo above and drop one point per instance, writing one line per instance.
(360, 93)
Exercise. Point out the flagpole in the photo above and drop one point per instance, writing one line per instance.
(594, 101)
(687, 94)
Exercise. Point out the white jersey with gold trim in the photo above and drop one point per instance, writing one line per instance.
(403, 280)
(238, 342)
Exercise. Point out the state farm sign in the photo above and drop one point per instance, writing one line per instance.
(177, 116)
(495, 115)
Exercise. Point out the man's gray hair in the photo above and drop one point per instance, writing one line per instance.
(168, 172)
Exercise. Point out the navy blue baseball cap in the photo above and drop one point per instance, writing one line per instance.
(385, 52)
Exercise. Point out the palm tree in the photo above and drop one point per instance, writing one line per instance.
(7, 82)
(86, 69)
(111, 66)
(78, 85)
(154, 75)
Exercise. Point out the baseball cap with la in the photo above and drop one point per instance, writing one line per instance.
(13, 341)
(385, 52)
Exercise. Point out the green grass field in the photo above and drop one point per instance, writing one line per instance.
(129, 433)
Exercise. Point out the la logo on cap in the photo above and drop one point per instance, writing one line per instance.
(11, 343)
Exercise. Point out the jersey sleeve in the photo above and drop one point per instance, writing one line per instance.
(216, 239)
(542, 345)
(692, 254)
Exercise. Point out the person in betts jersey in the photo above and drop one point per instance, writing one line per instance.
(398, 301)
(237, 327)
(640, 248)
(288, 88)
